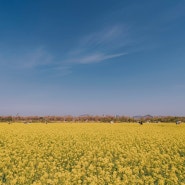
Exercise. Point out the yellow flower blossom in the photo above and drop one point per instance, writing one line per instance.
(97, 153)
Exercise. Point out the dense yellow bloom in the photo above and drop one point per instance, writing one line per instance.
(91, 153)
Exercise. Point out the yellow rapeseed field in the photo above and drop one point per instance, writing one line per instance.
(92, 153)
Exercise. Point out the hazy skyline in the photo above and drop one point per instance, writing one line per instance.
(92, 57)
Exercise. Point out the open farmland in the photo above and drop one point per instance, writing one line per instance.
(92, 153)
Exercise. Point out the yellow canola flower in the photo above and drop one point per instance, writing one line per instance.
(91, 153)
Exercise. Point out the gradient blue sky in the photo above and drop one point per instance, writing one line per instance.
(95, 57)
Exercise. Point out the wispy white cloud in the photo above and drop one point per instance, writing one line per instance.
(27, 59)
(94, 58)
(98, 46)
(107, 38)
(38, 59)
(34, 58)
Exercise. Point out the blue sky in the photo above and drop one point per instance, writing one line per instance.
(92, 57)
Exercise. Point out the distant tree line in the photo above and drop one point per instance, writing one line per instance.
(89, 118)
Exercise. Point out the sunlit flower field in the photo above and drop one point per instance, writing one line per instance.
(92, 153)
